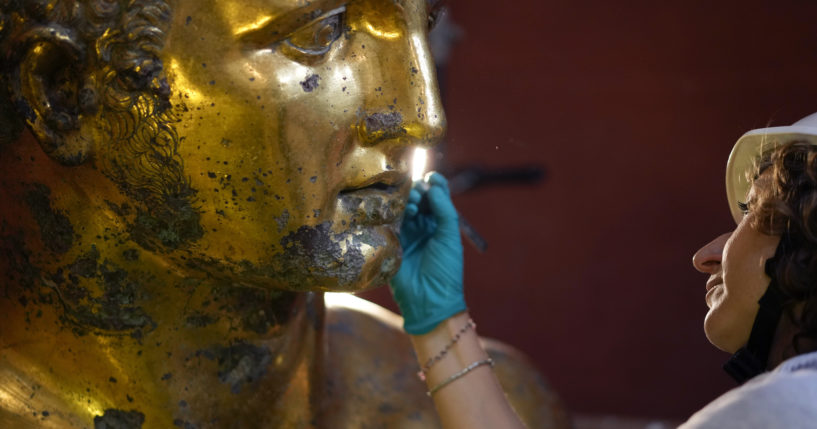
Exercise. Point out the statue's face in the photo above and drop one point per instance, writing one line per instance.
(295, 124)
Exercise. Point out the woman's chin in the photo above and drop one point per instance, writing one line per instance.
(722, 335)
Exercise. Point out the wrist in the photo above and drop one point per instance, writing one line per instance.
(449, 347)
(442, 339)
(444, 329)
(417, 324)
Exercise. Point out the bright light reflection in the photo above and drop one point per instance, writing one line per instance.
(182, 83)
(425, 62)
(347, 300)
(418, 164)
(292, 73)
(94, 408)
(254, 74)
(260, 23)
(380, 33)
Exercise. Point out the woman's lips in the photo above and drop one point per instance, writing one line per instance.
(712, 283)
(711, 287)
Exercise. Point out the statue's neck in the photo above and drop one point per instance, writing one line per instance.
(91, 321)
(154, 341)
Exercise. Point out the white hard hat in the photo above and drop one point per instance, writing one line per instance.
(754, 143)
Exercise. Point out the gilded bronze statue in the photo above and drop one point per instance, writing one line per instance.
(181, 181)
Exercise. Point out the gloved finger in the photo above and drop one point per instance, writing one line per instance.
(439, 180)
(411, 210)
(443, 209)
(414, 196)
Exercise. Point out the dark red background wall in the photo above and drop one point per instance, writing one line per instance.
(633, 108)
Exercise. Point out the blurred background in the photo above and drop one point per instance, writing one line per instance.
(630, 109)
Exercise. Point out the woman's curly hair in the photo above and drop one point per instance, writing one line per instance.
(786, 205)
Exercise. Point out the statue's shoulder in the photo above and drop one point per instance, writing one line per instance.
(370, 369)
(379, 368)
(527, 389)
(29, 402)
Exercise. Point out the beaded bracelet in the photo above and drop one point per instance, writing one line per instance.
(436, 358)
(459, 374)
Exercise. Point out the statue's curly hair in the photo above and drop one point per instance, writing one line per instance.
(786, 205)
(122, 40)
(126, 34)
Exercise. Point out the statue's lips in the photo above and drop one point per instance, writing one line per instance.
(376, 204)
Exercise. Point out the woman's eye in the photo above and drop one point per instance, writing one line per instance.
(743, 208)
(317, 37)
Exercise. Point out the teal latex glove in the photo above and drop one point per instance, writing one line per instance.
(428, 288)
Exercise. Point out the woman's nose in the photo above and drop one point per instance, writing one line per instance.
(708, 258)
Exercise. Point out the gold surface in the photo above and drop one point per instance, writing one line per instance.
(192, 177)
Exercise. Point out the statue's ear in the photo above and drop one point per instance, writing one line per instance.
(51, 93)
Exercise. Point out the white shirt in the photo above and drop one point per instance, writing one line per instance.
(785, 398)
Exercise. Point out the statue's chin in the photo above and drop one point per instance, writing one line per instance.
(369, 260)
(316, 259)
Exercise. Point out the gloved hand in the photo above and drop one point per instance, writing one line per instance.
(428, 288)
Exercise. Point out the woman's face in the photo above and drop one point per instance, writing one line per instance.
(735, 262)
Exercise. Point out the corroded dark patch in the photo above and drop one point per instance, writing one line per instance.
(130, 254)
(282, 220)
(118, 419)
(385, 125)
(184, 424)
(56, 230)
(166, 226)
(350, 202)
(17, 258)
(199, 319)
(122, 211)
(310, 83)
(313, 256)
(239, 364)
(371, 210)
(116, 309)
(255, 309)
(251, 309)
(313, 247)
(86, 264)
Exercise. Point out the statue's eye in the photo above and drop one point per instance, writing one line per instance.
(316, 38)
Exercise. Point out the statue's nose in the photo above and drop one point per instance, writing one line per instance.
(406, 106)
(426, 120)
